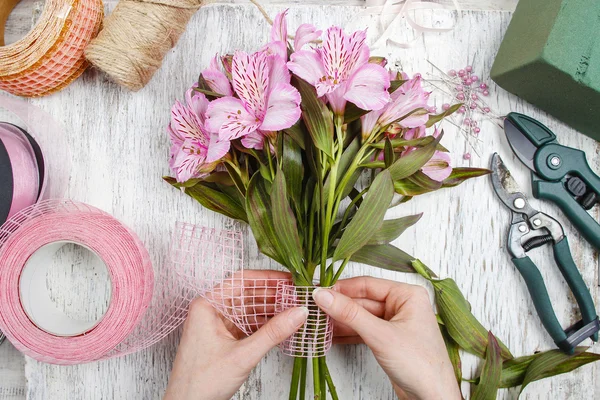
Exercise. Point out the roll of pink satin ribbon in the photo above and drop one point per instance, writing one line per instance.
(23, 240)
(24, 175)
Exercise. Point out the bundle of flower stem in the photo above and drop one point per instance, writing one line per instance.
(280, 138)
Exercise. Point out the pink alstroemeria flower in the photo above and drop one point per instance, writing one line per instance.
(340, 70)
(216, 79)
(267, 102)
(406, 99)
(278, 43)
(305, 33)
(438, 167)
(194, 151)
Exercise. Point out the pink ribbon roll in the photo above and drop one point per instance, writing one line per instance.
(24, 243)
(22, 171)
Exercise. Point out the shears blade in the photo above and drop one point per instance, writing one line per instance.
(504, 184)
(520, 144)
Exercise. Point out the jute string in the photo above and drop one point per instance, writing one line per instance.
(137, 36)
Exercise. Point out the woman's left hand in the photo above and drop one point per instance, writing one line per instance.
(214, 358)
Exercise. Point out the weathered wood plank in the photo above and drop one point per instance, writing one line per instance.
(120, 151)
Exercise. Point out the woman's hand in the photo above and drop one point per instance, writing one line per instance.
(214, 358)
(397, 322)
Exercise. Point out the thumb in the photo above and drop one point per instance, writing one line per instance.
(348, 312)
(279, 328)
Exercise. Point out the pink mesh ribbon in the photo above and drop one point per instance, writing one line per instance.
(245, 300)
(146, 304)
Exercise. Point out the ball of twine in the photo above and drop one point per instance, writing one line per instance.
(137, 36)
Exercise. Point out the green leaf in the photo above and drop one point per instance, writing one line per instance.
(405, 187)
(258, 208)
(317, 117)
(553, 363)
(396, 143)
(298, 133)
(434, 119)
(352, 113)
(293, 168)
(388, 153)
(217, 201)
(462, 325)
(395, 84)
(489, 381)
(391, 229)
(421, 179)
(411, 163)
(368, 218)
(459, 175)
(513, 371)
(384, 256)
(453, 352)
(236, 179)
(285, 225)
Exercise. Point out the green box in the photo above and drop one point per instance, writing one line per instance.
(550, 56)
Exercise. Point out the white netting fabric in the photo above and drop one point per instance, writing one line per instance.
(314, 339)
(211, 262)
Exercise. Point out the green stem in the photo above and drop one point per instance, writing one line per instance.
(295, 378)
(323, 382)
(303, 379)
(339, 272)
(329, 381)
(316, 379)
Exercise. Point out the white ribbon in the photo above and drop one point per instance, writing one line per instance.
(391, 11)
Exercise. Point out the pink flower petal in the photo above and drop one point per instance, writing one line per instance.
(250, 77)
(216, 79)
(196, 102)
(307, 65)
(305, 33)
(188, 162)
(368, 122)
(283, 108)
(438, 168)
(367, 88)
(279, 30)
(278, 71)
(415, 133)
(406, 99)
(230, 119)
(415, 120)
(343, 54)
(185, 125)
(275, 48)
(253, 140)
(336, 99)
(216, 149)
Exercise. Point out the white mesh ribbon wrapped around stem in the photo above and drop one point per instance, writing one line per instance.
(315, 337)
(212, 262)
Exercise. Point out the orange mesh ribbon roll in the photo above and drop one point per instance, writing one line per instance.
(50, 56)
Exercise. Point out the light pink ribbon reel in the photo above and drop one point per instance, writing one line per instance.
(50, 137)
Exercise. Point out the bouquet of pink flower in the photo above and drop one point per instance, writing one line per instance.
(281, 137)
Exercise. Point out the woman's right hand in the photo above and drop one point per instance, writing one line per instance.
(397, 322)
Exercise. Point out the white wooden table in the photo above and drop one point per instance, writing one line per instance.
(119, 151)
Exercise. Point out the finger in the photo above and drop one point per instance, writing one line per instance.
(279, 328)
(374, 307)
(346, 311)
(265, 274)
(348, 340)
(369, 288)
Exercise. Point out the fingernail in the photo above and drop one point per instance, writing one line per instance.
(323, 297)
(298, 315)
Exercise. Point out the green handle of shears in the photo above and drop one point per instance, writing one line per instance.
(583, 221)
(539, 294)
(564, 260)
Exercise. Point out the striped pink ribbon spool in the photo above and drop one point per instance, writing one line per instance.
(45, 334)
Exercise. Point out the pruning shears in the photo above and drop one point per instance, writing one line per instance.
(558, 173)
(530, 229)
